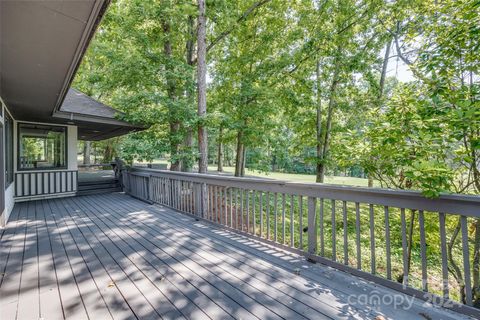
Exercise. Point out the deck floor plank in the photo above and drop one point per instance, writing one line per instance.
(49, 295)
(146, 288)
(78, 258)
(333, 287)
(71, 300)
(225, 302)
(127, 291)
(262, 291)
(8, 238)
(249, 268)
(112, 256)
(185, 297)
(250, 298)
(12, 275)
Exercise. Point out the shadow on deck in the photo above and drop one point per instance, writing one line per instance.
(112, 256)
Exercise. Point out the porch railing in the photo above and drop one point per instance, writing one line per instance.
(45, 182)
(427, 248)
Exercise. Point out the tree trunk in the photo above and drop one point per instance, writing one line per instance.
(453, 267)
(239, 156)
(109, 152)
(188, 143)
(381, 90)
(187, 160)
(171, 91)
(319, 177)
(383, 75)
(220, 151)
(86, 152)
(328, 125)
(202, 87)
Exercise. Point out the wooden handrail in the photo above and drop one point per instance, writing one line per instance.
(448, 203)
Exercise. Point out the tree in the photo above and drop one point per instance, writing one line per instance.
(202, 87)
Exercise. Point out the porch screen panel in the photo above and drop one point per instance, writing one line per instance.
(42, 147)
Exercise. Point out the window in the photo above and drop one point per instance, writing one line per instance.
(41, 147)
(8, 150)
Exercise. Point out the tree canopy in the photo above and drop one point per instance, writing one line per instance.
(299, 86)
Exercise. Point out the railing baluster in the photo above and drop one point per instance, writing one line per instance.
(231, 206)
(387, 243)
(182, 195)
(236, 208)
(212, 216)
(275, 222)
(357, 231)
(300, 225)
(423, 250)
(404, 247)
(312, 225)
(210, 202)
(322, 229)
(179, 195)
(218, 216)
(466, 260)
(247, 194)
(185, 196)
(225, 222)
(174, 193)
(334, 233)
(261, 213)
(292, 225)
(283, 218)
(241, 209)
(268, 215)
(218, 211)
(345, 237)
(192, 197)
(443, 249)
(214, 203)
(253, 213)
(372, 240)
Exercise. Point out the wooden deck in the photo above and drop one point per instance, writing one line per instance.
(111, 256)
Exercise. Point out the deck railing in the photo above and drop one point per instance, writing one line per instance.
(45, 183)
(423, 247)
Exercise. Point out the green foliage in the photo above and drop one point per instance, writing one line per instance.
(264, 91)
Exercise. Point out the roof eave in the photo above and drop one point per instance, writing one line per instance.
(96, 16)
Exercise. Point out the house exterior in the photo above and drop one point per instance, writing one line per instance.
(211, 246)
(41, 117)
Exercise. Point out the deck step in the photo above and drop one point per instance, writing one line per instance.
(98, 191)
(100, 186)
(97, 182)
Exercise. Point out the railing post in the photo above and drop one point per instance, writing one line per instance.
(198, 199)
(150, 187)
(203, 199)
(312, 225)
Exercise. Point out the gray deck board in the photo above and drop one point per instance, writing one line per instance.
(112, 256)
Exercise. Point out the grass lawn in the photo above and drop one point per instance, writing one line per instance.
(349, 181)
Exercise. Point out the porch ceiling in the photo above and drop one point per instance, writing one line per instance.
(41, 45)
